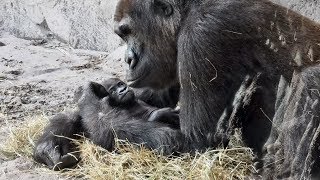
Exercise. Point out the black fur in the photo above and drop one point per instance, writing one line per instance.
(55, 148)
(167, 97)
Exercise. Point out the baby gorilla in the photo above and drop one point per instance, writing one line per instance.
(111, 109)
(107, 111)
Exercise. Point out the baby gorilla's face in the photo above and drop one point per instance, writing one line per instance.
(119, 92)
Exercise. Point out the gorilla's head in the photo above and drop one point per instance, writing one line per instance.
(150, 29)
(119, 92)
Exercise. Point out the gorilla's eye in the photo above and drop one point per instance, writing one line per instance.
(120, 83)
(112, 90)
(162, 7)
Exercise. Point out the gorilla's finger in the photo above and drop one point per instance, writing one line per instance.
(66, 161)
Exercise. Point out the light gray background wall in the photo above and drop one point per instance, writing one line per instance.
(309, 8)
(84, 24)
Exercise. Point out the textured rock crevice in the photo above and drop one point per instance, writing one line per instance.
(292, 150)
(309, 8)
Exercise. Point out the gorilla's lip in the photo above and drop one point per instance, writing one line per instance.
(133, 82)
(124, 94)
(137, 76)
(127, 93)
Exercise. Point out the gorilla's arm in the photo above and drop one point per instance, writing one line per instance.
(54, 148)
(167, 97)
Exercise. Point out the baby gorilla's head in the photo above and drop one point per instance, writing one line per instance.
(119, 92)
(113, 90)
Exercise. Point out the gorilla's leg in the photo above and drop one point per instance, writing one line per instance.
(259, 110)
(55, 147)
(153, 135)
(251, 108)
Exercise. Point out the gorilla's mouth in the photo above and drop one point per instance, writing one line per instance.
(126, 96)
(136, 76)
(132, 59)
(138, 70)
(131, 82)
(134, 80)
(123, 95)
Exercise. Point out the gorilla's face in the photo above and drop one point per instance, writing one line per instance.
(149, 27)
(119, 92)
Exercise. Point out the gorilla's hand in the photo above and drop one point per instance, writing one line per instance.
(166, 115)
(55, 147)
(50, 153)
(89, 98)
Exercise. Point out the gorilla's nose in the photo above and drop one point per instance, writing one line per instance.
(123, 89)
(131, 59)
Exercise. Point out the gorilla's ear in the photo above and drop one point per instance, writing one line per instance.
(163, 7)
(98, 90)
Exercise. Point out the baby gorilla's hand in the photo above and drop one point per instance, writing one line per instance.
(166, 115)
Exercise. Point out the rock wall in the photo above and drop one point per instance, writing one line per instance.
(84, 24)
(292, 150)
(309, 8)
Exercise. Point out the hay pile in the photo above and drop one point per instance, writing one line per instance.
(128, 162)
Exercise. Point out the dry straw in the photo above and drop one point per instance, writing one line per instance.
(129, 162)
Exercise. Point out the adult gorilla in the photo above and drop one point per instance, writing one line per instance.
(229, 57)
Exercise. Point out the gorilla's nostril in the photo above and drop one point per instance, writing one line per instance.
(131, 59)
(128, 60)
(133, 63)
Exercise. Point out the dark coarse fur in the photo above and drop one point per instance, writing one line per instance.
(55, 148)
(227, 55)
(167, 97)
(103, 116)
(131, 120)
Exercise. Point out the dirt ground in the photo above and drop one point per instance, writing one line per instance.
(40, 77)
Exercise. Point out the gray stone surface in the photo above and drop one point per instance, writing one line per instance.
(309, 8)
(83, 24)
(293, 146)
